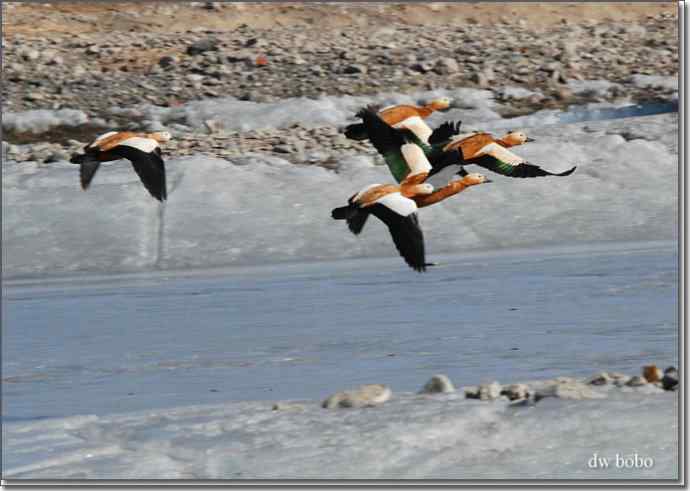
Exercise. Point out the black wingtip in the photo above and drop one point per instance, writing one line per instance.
(568, 172)
(369, 110)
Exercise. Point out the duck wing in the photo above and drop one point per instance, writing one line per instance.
(444, 132)
(399, 215)
(145, 155)
(499, 159)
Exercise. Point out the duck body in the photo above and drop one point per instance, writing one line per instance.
(484, 150)
(394, 206)
(404, 151)
(141, 149)
(401, 115)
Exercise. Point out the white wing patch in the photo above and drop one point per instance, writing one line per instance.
(101, 137)
(501, 153)
(146, 145)
(415, 158)
(397, 203)
(417, 126)
(387, 108)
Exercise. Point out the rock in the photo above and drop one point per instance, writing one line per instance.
(194, 77)
(167, 61)
(34, 96)
(213, 126)
(636, 381)
(29, 54)
(445, 66)
(355, 69)
(202, 46)
(515, 392)
(287, 406)
(480, 79)
(601, 378)
(567, 390)
(438, 384)
(56, 157)
(93, 50)
(364, 396)
(652, 373)
(670, 379)
(282, 148)
(489, 392)
(423, 67)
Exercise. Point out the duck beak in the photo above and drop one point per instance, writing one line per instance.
(529, 139)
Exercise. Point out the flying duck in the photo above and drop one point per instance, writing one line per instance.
(393, 206)
(142, 149)
(402, 149)
(491, 153)
(402, 116)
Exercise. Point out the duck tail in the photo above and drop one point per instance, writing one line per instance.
(356, 131)
(355, 216)
(343, 212)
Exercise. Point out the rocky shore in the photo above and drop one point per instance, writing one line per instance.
(100, 58)
(651, 381)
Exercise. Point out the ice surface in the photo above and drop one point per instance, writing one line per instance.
(410, 437)
(237, 115)
(260, 208)
(40, 120)
(643, 81)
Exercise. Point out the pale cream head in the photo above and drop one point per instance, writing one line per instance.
(474, 178)
(515, 138)
(161, 136)
(440, 104)
(425, 188)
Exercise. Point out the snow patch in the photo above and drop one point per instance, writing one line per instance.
(42, 120)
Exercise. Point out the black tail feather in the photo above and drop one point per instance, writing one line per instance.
(355, 216)
(356, 131)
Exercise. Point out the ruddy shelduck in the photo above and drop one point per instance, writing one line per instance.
(403, 116)
(142, 149)
(396, 207)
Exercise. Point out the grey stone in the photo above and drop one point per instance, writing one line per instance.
(515, 392)
(30, 54)
(56, 157)
(287, 406)
(438, 384)
(364, 396)
(636, 381)
(423, 67)
(601, 378)
(445, 66)
(489, 392)
(567, 390)
(168, 61)
(202, 46)
(355, 69)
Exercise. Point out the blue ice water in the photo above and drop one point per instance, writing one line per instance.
(100, 345)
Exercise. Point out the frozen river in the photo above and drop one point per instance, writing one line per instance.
(150, 345)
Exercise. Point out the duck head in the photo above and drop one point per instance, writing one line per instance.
(161, 136)
(513, 138)
(440, 104)
(475, 178)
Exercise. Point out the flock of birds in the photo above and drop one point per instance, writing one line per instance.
(413, 152)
